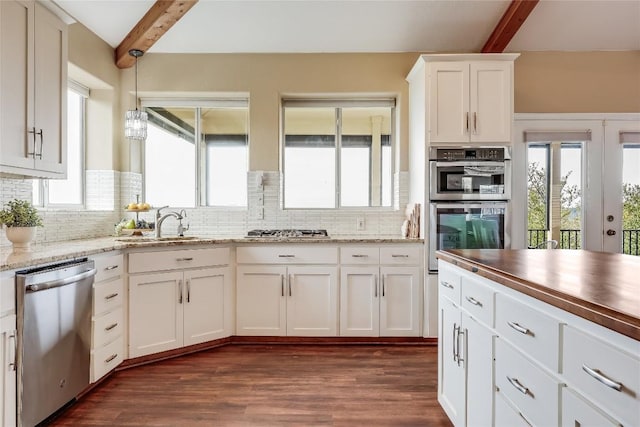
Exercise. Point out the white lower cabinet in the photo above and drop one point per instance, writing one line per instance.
(576, 411)
(172, 309)
(287, 300)
(8, 370)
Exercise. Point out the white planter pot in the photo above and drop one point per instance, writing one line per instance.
(21, 237)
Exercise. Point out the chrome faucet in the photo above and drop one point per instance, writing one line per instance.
(160, 219)
(182, 228)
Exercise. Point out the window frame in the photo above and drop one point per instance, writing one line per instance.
(338, 104)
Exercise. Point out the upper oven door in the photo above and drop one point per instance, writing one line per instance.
(470, 180)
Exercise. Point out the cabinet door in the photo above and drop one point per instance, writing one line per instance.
(490, 101)
(8, 370)
(359, 302)
(261, 303)
(479, 371)
(449, 102)
(312, 301)
(578, 412)
(156, 305)
(204, 298)
(400, 301)
(50, 92)
(16, 84)
(451, 384)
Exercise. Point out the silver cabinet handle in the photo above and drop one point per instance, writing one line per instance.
(460, 334)
(454, 341)
(473, 301)
(375, 286)
(188, 290)
(12, 363)
(399, 256)
(290, 279)
(467, 124)
(110, 358)
(602, 378)
(286, 256)
(446, 284)
(282, 284)
(359, 256)
(519, 328)
(110, 327)
(179, 291)
(111, 296)
(514, 382)
(111, 267)
(383, 277)
(190, 258)
(475, 122)
(41, 133)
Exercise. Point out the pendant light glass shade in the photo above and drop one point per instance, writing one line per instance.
(135, 125)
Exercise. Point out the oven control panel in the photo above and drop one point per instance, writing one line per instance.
(470, 154)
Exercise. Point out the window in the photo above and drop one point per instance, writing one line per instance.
(338, 153)
(68, 192)
(196, 153)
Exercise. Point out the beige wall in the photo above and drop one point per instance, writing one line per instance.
(577, 82)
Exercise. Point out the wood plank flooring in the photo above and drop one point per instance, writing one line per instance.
(271, 385)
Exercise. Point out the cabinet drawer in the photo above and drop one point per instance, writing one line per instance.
(578, 412)
(106, 328)
(589, 364)
(359, 255)
(170, 260)
(106, 358)
(532, 391)
(400, 254)
(107, 295)
(449, 281)
(535, 333)
(287, 255)
(108, 266)
(506, 416)
(477, 299)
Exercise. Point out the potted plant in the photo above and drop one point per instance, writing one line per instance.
(20, 220)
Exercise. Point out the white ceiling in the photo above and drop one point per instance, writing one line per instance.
(269, 26)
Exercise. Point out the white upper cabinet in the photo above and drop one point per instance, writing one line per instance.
(33, 83)
(468, 98)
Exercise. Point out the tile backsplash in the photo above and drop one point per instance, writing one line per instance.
(108, 191)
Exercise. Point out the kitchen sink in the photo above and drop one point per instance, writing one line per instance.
(156, 239)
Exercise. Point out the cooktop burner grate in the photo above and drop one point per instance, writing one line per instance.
(288, 233)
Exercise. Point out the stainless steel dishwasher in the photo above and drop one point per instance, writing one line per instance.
(54, 337)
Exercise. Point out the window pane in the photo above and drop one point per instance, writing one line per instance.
(355, 172)
(571, 196)
(537, 194)
(387, 173)
(69, 191)
(170, 159)
(631, 199)
(225, 163)
(309, 158)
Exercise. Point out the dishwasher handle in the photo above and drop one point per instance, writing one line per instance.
(60, 282)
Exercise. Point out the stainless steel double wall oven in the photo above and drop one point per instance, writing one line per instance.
(469, 193)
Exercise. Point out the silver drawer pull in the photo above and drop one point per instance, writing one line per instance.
(359, 256)
(447, 285)
(111, 296)
(110, 358)
(399, 256)
(110, 327)
(602, 378)
(514, 382)
(286, 256)
(519, 328)
(474, 301)
(111, 267)
(185, 259)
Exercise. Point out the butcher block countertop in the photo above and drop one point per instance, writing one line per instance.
(601, 287)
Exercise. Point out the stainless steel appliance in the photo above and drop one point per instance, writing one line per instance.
(467, 225)
(54, 337)
(464, 173)
(288, 233)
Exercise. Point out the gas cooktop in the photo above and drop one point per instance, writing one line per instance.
(288, 233)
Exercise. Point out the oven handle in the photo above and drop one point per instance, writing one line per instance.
(466, 163)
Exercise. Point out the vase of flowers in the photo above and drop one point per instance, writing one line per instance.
(20, 220)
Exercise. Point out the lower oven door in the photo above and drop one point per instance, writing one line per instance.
(467, 225)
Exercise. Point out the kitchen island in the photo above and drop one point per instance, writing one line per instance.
(539, 337)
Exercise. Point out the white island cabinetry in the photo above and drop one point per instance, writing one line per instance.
(8, 350)
(178, 298)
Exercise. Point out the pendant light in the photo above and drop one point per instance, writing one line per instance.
(135, 126)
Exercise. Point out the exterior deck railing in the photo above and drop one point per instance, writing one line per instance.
(572, 239)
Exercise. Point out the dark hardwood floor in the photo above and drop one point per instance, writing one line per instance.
(271, 385)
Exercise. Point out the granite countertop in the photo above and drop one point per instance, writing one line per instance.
(58, 251)
(598, 286)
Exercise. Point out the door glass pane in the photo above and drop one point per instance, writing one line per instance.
(537, 194)
(571, 196)
(631, 199)
(310, 158)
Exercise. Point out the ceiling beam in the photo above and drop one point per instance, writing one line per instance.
(509, 24)
(157, 21)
